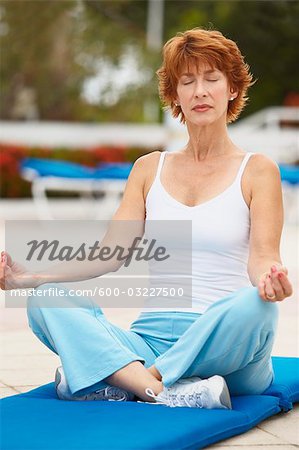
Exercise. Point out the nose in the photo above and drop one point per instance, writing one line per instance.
(200, 89)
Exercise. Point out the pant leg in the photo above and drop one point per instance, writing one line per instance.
(160, 330)
(233, 338)
(89, 346)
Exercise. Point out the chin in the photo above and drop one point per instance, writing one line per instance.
(203, 121)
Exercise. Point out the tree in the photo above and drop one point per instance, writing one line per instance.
(55, 47)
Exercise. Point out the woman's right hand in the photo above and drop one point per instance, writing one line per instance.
(15, 276)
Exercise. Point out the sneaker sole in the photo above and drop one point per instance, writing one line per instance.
(58, 378)
(224, 394)
(57, 383)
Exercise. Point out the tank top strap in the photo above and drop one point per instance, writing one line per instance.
(243, 165)
(161, 161)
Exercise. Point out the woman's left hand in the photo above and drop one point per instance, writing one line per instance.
(275, 286)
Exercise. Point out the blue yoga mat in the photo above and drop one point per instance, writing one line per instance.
(37, 420)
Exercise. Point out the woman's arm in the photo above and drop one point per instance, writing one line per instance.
(132, 209)
(266, 215)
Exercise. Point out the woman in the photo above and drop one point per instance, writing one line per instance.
(186, 357)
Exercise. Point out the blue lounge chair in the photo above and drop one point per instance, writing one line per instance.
(290, 181)
(46, 174)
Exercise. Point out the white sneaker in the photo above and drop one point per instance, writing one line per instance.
(195, 393)
(110, 393)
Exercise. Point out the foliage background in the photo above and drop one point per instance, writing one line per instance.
(54, 46)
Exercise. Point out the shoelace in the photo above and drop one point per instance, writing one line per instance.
(191, 400)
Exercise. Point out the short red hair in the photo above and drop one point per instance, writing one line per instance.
(209, 47)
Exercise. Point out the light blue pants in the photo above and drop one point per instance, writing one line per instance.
(233, 338)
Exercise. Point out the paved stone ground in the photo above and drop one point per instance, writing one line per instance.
(26, 363)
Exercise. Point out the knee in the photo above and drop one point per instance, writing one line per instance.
(255, 309)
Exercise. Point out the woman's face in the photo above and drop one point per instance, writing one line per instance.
(203, 94)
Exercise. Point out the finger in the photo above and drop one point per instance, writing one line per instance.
(2, 271)
(279, 267)
(276, 284)
(8, 258)
(261, 290)
(269, 290)
(285, 283)
(3, 261)
(4, 275)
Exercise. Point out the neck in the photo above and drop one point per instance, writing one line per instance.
(208, 142)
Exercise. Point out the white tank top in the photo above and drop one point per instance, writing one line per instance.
(220, 239)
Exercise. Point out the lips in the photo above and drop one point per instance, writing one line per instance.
(202, 107)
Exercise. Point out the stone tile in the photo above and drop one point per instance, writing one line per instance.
(12, 318)
(22, 342)
(253, 437)
(284, 426)
(33, 362)
(7, 392)
(277, 432)
(23, 389)
(27, 377)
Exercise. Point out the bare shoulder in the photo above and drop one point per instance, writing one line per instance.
(142, 167)
(261, 172)
(260, 164)
(146, 166)
(263, 177)
(147, 161)
(132, 206)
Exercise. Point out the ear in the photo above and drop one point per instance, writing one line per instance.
(233, 93)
